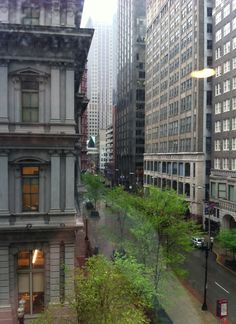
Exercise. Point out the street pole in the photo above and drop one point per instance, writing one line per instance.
(207, 249)
(204, 305)
(203, 74)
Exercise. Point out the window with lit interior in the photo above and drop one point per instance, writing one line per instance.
(30, 279)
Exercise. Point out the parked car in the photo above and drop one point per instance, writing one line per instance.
(198, 242)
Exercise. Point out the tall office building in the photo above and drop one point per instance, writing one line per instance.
(100, 78)
(130, 90)
(178, 108)
(43, 52)
(223, 174)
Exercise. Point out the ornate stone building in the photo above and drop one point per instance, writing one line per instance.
(43, 52)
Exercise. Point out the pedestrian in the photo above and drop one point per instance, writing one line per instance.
(202, 244)
(211, 243)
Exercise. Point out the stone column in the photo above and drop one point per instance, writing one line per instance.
(70, 16)
(4, 277)
(4, 204)
(55, 95)
(55, 183)
(17, 96)
(18, 191)
(69, 275)
(70, 178)
(55, 13)
(4, 97)
(4, 12)
(42, 16)
(18, 12)
(42, 195)
(42, 101)
(54, 273)
(70, 92)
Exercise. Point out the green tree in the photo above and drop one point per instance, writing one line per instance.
(57, 314)
(227, 240)
(106, 294)
(165, 210)
(118, 292)
(156, 231)
(95, 187)
(120, 202)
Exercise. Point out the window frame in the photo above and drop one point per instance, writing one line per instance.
(218, 108)
(30, 271)
(222, 191)
(31, 14)
(30, 93)
(226, 125)
(30, 178)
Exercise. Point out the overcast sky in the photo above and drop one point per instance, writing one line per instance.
(99, 10)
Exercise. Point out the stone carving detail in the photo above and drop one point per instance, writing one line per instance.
(70, 8)
(4, 6)
(55, 7)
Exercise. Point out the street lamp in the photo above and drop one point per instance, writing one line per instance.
(116, 177)
(207, 249)
(203, 74)
(131, 180)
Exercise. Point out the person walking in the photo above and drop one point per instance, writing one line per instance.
(211, 243)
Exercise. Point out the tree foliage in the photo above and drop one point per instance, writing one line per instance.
(95, 187)
(227, 239)
(106, 294)
(120, 202)
(118, 292)
(158, 234)
(57, 314)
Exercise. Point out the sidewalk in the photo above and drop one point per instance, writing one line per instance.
(183, 307)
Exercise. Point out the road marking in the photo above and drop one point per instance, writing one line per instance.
(221, 287)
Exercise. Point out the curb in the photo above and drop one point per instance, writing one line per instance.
(221, 264)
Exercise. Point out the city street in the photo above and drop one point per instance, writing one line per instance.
(221, 282)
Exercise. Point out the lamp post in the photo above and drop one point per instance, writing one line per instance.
(116, 177)
(207, 249)
(203, 74)
(131, 180)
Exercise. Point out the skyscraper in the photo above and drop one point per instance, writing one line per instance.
(130, 90)
(178, 108)
(223, 175)
(100, 78)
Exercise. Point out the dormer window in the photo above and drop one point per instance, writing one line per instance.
(30, 99)
(31, 13)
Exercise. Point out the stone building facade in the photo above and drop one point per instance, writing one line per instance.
(42, 55)
(223, 173)
(177, 107)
